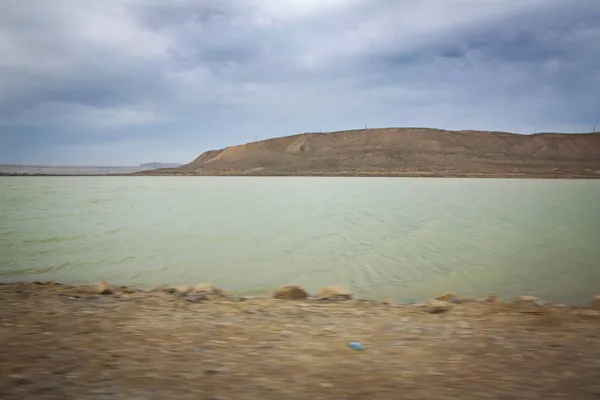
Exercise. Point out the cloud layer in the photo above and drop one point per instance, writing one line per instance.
(131, 81)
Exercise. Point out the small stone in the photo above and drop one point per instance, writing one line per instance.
(492, 298)
(596, 303)
(160, 288)
(212, 371)
(462, 300)
(184, 289)
(21, 380)
(104, 288)
(540, 303)
(196, 298)
(336, 292)
(207, 288)
(446, 296)
(436, 306)
(398, 344)
(290, 293)
(326, 385)
(529, 299)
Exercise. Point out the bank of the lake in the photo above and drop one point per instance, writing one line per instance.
(62, 342)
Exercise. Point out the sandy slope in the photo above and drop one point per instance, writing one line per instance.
(406, 152)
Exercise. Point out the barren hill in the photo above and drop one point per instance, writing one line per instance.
(406, 152)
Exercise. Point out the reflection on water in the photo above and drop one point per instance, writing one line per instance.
(405, 239)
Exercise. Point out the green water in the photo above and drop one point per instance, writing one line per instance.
(405, 239)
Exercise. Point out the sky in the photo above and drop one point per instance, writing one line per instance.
(122, 82)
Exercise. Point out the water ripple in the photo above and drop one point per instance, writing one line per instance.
(401, 238)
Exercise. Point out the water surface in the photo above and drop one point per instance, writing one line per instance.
(404, 239)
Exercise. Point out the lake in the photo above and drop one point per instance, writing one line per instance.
(386, 238)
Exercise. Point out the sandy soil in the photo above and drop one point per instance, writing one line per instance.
(65, 342)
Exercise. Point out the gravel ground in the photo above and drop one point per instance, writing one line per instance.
(68, 342)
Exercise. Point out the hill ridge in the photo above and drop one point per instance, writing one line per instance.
(406, 152)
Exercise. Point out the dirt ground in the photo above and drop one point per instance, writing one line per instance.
(67, 342)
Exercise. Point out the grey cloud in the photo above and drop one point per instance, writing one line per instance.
(212, 73)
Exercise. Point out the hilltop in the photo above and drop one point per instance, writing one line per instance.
(405, 152)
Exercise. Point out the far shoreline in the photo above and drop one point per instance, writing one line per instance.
(367, 175)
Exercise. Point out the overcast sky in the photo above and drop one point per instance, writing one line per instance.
(121, 82)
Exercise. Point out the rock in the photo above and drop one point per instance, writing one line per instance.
(492, 298)
(196, 298)
(205, 287)
(337, 292)
(184, 289)
(290, 293)
(213, 371)
(596, 303)
(104, 288)
(160, 288)
(528, 299)
(446, 296)
(437, 306)
(541, 303)
(208, 289)
(462, 300)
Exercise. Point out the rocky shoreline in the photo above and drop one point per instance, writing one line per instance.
(114, 342)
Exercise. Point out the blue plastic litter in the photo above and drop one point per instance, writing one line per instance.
(356, 346)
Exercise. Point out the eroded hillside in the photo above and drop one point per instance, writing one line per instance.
(406, 152)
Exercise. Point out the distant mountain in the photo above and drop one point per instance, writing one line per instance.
(12, 169)
(155, 165)
(406, 152)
